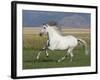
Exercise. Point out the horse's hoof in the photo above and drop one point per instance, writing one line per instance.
(58, 61)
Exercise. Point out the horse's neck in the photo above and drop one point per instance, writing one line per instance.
(53, 34)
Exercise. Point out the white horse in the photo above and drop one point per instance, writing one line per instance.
(58, 42)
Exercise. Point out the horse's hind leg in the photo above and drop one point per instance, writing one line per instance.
(61, 59)
(70, 52)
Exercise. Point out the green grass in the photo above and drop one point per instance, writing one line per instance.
(32, 43)
(30, 62)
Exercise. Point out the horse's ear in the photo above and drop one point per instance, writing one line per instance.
(46, 25)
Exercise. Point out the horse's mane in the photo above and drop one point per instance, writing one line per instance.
(57, 29)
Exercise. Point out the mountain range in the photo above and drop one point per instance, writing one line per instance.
(66, 19)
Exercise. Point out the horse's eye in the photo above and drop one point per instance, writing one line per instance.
(44, 27)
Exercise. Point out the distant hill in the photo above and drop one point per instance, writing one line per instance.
(74, 21)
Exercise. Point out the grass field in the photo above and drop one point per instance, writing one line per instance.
(32, 43)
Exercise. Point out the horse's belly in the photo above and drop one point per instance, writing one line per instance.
(57, 48)
(62, 45)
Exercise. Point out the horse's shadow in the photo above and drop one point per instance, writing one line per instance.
(40, 60)
(45, 60)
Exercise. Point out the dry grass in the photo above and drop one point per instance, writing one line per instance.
(32, 39)
(36, 30)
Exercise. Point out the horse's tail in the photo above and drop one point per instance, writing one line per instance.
(85, 45)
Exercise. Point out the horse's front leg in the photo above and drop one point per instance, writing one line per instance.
(46, 47)
(38, 55)
(46, 52)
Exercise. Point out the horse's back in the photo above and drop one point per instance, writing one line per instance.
(65, 42)
(71, 40)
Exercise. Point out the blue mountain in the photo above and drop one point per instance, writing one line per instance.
(66, 19)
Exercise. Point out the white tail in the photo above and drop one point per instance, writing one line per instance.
(85, 45)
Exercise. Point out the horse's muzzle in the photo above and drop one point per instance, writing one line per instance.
(40, 34)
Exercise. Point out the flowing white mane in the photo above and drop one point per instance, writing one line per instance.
(56, 29)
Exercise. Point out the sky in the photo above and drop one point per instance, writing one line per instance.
(33, 18)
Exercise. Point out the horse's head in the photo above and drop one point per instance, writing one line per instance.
(44, 29)
(49, 28)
